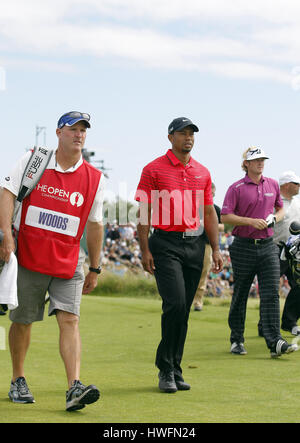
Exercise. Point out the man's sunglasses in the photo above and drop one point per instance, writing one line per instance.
(75, 114)
(64, 119)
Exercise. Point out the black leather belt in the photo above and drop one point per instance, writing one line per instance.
(175, 234)
(255, 241)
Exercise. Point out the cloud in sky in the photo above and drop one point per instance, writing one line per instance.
(236, 38)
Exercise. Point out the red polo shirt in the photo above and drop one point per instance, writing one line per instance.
(176, 192)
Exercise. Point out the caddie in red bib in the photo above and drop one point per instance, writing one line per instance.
(50, 198)
(53, 220)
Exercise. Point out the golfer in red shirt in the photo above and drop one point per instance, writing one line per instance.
(175, 188)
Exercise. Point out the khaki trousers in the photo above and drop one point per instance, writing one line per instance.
(207, 262)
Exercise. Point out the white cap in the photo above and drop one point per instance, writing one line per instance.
(288, 177)
(255, 153)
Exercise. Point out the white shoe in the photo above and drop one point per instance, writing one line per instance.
(295, 330)
(238, 348)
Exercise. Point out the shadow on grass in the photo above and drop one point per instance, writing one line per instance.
(5, 400)
(117, 391)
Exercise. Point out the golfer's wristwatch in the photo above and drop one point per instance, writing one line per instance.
(97, 270)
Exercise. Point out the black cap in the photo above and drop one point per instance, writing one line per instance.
(179, 123)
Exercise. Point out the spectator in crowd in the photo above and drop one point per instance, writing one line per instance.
(229, 239)
(113, 232)
(223, 240)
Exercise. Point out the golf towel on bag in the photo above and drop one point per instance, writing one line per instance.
(8, 283)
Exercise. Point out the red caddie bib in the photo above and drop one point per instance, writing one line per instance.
(53, 219)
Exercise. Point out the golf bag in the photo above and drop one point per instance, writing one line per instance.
(291, 251)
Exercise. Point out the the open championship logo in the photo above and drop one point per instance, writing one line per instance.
(76, 199)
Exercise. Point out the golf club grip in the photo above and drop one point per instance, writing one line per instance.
(1, 235)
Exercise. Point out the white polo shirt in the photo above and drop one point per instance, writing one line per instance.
(292, 213)
(13, 181)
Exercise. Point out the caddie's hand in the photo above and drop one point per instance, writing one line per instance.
(217, 262)
(148, 262)
(7, 246)
(259, 223)
(90, 282)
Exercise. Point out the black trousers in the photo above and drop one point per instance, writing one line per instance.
(249, 260)
(291, 310)
(178, 262)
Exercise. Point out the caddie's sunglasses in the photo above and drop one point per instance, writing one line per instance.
(75, 114)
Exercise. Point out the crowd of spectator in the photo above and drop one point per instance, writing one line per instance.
(121, 253)
(121, 249)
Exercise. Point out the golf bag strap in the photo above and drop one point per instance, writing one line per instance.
(34, 170)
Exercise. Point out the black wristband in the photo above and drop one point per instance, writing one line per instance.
(97, 270)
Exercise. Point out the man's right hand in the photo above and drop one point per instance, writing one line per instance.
(259, 223)
(7, 246)
(148, 262)
(7, 204)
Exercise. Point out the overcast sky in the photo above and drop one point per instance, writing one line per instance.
(231, 66)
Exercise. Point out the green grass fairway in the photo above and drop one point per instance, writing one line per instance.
(119, 337)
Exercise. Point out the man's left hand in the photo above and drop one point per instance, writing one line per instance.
(217, 262)
(90, 283)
